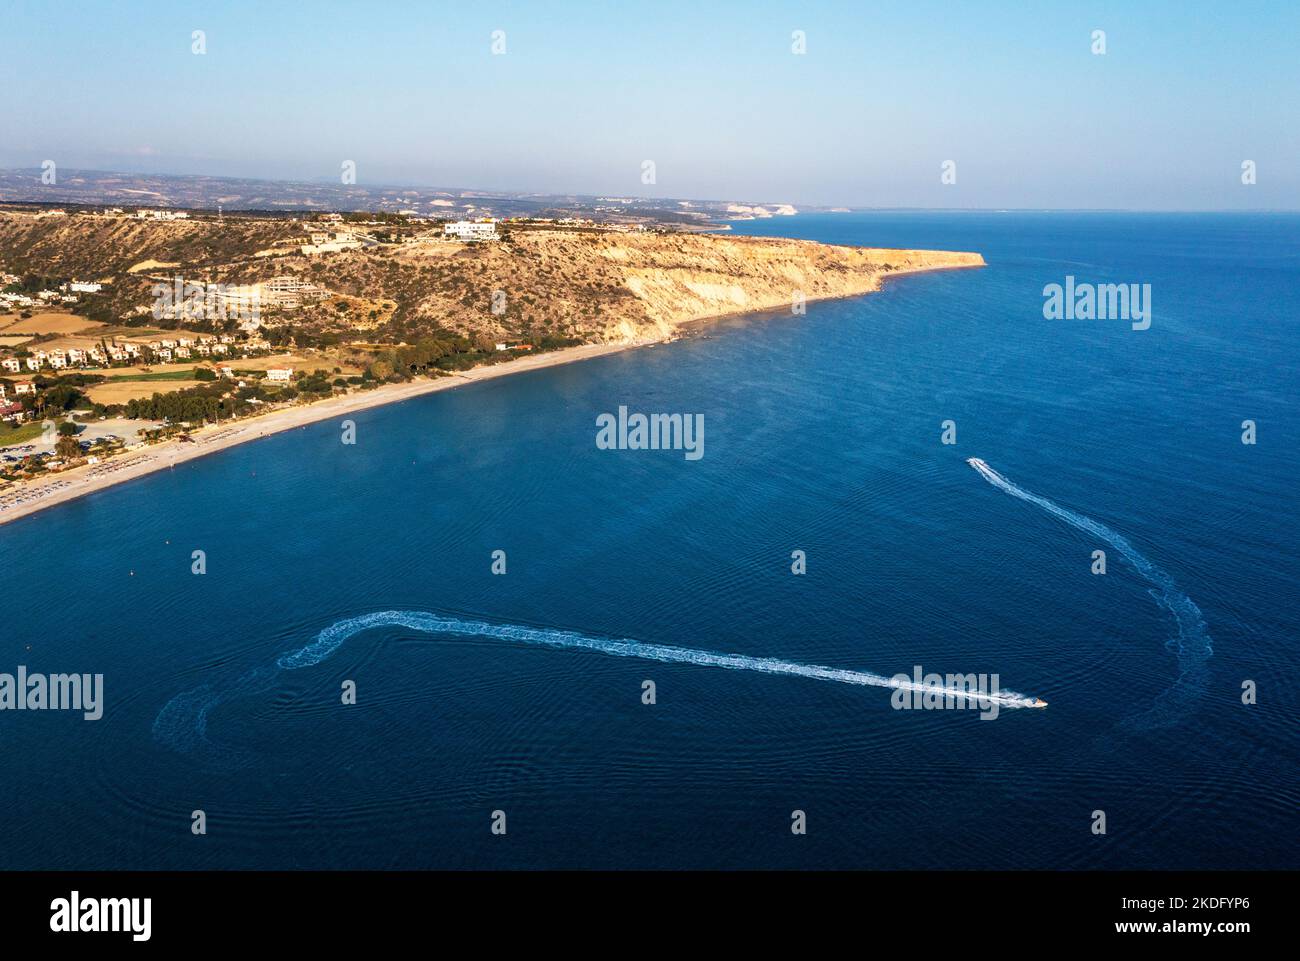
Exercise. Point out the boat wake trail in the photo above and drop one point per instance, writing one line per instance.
(182, 723)
(1192, 644)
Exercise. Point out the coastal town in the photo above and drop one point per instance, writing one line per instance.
(75, 391)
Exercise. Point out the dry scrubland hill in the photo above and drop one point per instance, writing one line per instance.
(616, 287)
(95, 247)
(579, 284)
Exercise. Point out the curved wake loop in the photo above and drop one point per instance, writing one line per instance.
(182, 723)
(1192, 645)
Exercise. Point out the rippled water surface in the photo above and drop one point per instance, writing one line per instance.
(821, 435)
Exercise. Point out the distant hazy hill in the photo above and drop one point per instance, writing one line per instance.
(207, 193)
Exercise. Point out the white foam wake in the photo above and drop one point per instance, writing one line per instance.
(182, 723)
(1192, 644)
(330, 639)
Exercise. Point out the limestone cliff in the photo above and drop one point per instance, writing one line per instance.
(680, 279)
(615, 287)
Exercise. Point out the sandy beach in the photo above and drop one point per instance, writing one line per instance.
(67, 485)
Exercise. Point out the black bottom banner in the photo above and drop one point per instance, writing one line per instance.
(970, 909)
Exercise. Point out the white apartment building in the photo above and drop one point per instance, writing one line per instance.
(285, 292)
(290, 292)
(161, 215)
(471, 230)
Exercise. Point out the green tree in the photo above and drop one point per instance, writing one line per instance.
(67, 446)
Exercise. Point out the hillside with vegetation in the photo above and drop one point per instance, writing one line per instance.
(94, 247)
(546, 287)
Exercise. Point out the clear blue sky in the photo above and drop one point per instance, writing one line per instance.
(709, 91)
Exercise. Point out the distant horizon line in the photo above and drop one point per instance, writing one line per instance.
(523, 193)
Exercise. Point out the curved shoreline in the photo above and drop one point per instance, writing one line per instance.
(211, 438)
(139, 462)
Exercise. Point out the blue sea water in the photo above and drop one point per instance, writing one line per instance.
(822, 434)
